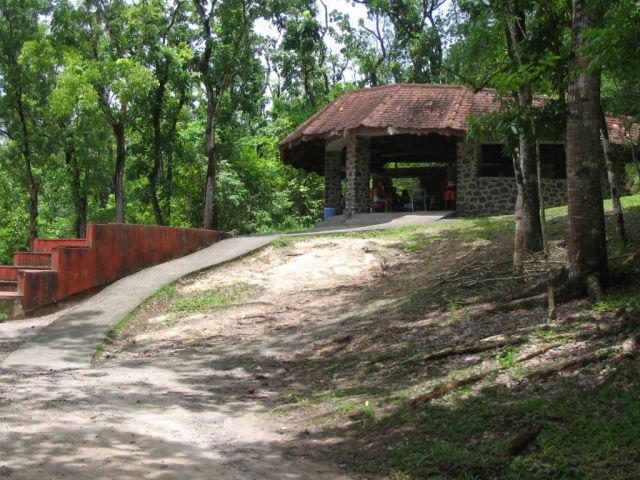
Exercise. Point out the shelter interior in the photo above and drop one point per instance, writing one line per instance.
(418, 166)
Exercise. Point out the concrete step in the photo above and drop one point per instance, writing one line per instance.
(32, 260)
(46, 245)
(8, 273)
(10, 305)
(8, 285)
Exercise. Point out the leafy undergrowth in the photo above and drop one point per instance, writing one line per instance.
(430, 371)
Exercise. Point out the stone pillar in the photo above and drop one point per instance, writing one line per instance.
(467, 175)
(333, 179)
(358, 175)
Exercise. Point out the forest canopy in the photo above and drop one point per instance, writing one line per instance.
(170, 112)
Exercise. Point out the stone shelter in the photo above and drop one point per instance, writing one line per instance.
(420, 131)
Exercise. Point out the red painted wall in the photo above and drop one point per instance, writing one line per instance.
(31, 259)
(38, 288)
(112, 252)
(8, 274)
(47, 244)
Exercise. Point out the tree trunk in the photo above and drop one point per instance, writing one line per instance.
(530, 204)
(33, 206)
(551, 294)
(612, 177)
(157, 172)
(532, 232)
(518, 243)
(167, 191)
(32, 186)
(587, 245)
(635, 162)
(168, 184)
(212, 161)
(118, 178)
(79, 199)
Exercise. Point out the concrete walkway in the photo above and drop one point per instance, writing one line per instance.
(71, 340)
(378, 221)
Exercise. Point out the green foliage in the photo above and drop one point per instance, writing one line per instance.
(507, 359)
(80, 68)
(633, 180)
(615, 302)
(219, 296)
(614, 47)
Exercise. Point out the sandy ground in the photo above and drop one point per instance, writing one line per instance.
(189, 394)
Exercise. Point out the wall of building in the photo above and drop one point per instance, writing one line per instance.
(477, 196)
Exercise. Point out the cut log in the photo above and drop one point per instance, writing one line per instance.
(522, 440)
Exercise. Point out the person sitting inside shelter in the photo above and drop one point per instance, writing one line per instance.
(450, 196)
(381, 196)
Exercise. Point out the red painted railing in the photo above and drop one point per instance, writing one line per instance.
(32, 259)
(61, 268)
(9, 273)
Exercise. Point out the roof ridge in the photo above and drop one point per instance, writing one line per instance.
(456, 107)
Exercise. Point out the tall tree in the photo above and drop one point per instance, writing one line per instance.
(587, 246)
(528, 229)
(224, 28)
(22, 92)
(113, 67)
(162, 34)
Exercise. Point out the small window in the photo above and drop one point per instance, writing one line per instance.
(494, 162)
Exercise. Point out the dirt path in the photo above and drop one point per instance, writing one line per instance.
(187, 395)
(139, 419)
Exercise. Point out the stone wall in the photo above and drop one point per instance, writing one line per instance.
(333, 180)
(357, 174)
(497, 195)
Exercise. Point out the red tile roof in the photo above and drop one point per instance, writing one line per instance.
(407, 108)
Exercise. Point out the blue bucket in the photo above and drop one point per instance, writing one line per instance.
(329, 212)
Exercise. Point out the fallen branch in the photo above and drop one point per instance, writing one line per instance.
(521, 441)
(447, 387)
(576, 362)
(535, 353)
(520, 303)
(477, 347)
(492, 279)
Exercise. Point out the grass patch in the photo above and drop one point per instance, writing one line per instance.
(619, 301)
(364, 410)
(113, 333)
(284, 241)
(222, 295)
